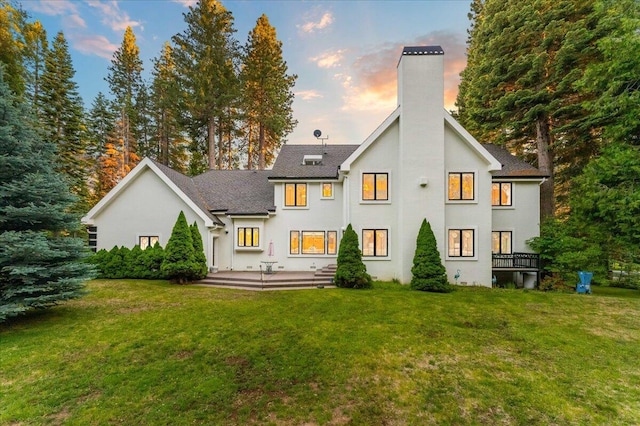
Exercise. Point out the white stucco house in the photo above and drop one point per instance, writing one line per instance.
(482, 202)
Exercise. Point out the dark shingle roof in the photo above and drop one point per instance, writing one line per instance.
(289, 164)
(239, 192)
(512, 166)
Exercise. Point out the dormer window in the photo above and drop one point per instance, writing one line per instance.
(312, 160)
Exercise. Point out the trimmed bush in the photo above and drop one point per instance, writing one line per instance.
(179, 260)
(428, 272)
(351, 271)
(200, 267)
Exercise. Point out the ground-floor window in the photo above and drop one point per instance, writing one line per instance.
(145, 241)
(461, 243)
(375, 242)
(93, 237)
(313, 242)
(248, 237)
(501, 242)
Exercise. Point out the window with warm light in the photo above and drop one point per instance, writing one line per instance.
(461, 243)
(327, 190)
(147, 241)
(501, 242)
(461, 186)
(248, 237)
(332, 242)
(313, 242)
(374, 242)
(375, 186)
(295, 194)
(294, 242)
(501, 194)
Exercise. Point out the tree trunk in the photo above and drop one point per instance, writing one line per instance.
(250, 148)
(545, 164)
(220, 145)
(211, 132)
(262, 149)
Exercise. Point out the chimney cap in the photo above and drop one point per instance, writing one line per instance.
(422, 50)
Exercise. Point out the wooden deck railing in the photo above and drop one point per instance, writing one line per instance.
(516, 261)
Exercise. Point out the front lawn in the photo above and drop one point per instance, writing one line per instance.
(136, 352)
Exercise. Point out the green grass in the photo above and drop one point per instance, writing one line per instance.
(135, 352)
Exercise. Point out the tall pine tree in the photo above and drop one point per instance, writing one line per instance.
(206, 57)
(40, 264)
(267, 93)
(62, 118)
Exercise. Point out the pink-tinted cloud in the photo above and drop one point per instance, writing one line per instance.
(371, 82)
(94, 45)
(308, 95)
(312, 26)
(186, 3)
(54, 8)
(112, 16)
(73, 22)
(329, 59)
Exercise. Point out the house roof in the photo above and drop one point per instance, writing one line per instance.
(512, 166)
(290, 162)
(236, 192)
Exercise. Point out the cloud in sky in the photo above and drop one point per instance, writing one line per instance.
(311, 26)
(308, 95)
(370, 82)
(186, 3)
(92, 44)
(328, 59)
(112, 16)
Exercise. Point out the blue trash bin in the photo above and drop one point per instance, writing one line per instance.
(584, 286)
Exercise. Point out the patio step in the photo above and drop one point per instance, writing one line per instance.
(275, 281)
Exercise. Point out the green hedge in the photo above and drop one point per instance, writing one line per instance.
(122, 262)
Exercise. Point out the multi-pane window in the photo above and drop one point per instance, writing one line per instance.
(461, 243)
(295, 194)
(146, 241)
(248, 237)
(375, 242)
(375, 186)
(501, 242)
(92, 231)
(461, 186)
(501, 194)
(313, 242)
(327, 190)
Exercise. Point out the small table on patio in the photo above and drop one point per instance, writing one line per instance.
(269, 266)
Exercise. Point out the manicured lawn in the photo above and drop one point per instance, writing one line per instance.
(135, 352)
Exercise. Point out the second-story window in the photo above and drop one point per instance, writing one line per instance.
(461, 186)
(295, 194)
(375, 186)
(501, 194)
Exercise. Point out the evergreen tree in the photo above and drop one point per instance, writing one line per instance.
(168, 136)
(429, 274)
(11, 42)
(200, 267)
(34, 54)
(62, 118)
(125, 82)
(517, 89)
(151, 260)
(206, 58)
(267, 93)
(351, 271)
(100, 135)
(40, 265)
(179, 260)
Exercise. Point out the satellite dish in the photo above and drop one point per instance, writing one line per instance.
(317, 133)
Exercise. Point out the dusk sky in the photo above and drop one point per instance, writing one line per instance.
(344, 52)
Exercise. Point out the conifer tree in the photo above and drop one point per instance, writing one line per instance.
(179, 260)
(11, 41)
(206, 57)
(267, 93)
(200, 260)
(34, 55)
(62, 118)
(125, 82)
(100, 132)
(428, 272)
(40, 264)
(351, 271)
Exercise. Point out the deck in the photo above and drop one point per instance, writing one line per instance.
(525, 262)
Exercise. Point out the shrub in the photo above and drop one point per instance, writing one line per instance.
(351, 272)
(200, 267)
(179, 260)
(151, 261)
(428, 272)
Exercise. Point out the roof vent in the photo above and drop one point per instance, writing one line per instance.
(312, 160)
